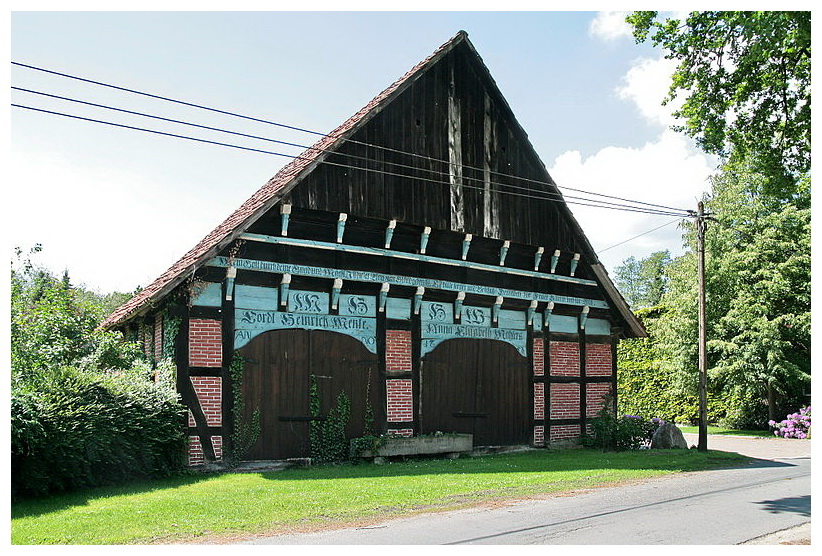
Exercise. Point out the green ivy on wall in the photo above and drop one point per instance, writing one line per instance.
(171, 328)
(245, 433)
(326, 435)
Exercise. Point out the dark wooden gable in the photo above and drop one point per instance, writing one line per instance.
(458, 126)
(439, 148)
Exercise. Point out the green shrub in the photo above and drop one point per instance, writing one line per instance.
(81, 428)
(627, 432)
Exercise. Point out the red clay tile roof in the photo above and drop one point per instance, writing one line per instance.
(264, 198)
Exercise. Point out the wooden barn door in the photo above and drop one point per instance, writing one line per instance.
(277, 378)
(476, 386)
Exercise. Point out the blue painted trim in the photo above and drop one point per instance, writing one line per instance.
(209, 296)
(574, 263)
(377, 277)
(309, 302)
(249, 323)
(413, 256)
(598, 327)
(229, 293)
(565, 324)
(538, 257)
(255, 297)
(398, 309)
(466, 245)
(438, 325)
(424, 239)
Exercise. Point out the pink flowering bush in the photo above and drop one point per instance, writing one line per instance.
(797, 425)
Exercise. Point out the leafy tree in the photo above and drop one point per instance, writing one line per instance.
(54, 324)
(626, 277)
(758, 290)
(746, 78)
(643, 282)
(761, 341)
(745, 81)
(74, 422)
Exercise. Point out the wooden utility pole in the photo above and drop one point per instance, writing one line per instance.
(701, 224)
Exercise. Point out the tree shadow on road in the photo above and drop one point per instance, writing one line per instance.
(795, 504)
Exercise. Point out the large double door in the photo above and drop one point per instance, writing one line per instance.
(277, 379)
(476, 386)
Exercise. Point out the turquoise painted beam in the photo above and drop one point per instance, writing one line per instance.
(399, 280)
(376, 251)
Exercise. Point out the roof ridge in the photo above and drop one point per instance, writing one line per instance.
(267, 195)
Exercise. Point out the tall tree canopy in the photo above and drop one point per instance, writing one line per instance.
(759, 292)
(746, 79)
(54, 323)
(759, 313)
(644, 281)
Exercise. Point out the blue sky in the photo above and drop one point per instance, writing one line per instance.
(118, 207)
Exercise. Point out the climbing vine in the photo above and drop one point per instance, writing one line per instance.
(245, 433)
(171, 328)
(326, 435)
(369, 441)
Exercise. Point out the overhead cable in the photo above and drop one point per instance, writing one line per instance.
(599, 251)
(541, 194)
(303, 130)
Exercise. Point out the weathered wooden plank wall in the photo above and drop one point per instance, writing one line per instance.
(491, 146)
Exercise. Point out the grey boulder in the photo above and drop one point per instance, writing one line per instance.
(668, 436)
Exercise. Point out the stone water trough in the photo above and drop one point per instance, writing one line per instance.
(452, 444)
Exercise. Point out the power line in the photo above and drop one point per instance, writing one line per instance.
(155, 117)
(599, 251)
(551, 194)
(543, 197)
(303, 130)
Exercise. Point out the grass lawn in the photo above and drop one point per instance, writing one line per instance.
(211, 508)
(731, 432)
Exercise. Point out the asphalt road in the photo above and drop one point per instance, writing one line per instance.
(720, 507)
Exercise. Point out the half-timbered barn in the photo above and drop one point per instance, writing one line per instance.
(418, 258)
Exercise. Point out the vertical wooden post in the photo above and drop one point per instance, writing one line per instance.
(227, 312)
(703, 356)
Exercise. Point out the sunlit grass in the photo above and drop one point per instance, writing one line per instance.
(209, 506)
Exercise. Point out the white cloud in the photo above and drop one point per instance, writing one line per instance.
(646, 85)
(104, 225)
(610, 26)
(667, 171)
